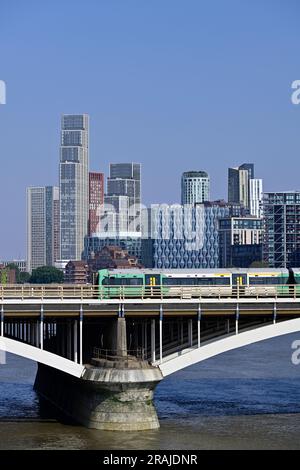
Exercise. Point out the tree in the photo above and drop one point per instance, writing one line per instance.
(17, 270)
(24, 277)
(259, 264)
(46, 275)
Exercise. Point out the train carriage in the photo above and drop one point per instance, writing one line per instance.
(186, 283)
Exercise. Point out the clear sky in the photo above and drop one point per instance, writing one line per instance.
(174, 84)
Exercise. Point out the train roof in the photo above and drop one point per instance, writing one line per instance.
(198, 271)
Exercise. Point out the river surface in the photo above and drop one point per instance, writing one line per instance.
(244, 399)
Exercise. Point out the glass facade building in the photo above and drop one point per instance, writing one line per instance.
(240, 241)
(182, 236)
(122, 202)
(129, 242)
(42, 226)
(74, 185)
(239, 184)
(281, 247)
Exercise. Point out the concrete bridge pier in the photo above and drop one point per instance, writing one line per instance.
(106, 398)
(114, 392)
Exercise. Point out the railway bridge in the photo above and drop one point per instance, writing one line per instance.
(100, 359)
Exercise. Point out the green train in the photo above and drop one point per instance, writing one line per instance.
(189, 283)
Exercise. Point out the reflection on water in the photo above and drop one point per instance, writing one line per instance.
(248, 398)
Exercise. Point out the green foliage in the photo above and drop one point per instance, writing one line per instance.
(24, 277)
(3, 277)
(259, 264)
(17, 270)
(46, 275)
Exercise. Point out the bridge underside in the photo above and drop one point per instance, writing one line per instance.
(110, 356)
(153, 331)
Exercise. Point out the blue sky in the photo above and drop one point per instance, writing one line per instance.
(176, 85)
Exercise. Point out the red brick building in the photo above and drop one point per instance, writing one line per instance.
(113, 257)
(77, 272)
(96, 198)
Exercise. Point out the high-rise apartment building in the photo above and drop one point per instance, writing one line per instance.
(96, 200)
(123, 198)
(195, 187)
(238, 184)
(74, 184)
(255, 196)
(120, 220)
(281, 212)
(42, 226)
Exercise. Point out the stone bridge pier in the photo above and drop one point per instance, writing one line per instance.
(115, 391)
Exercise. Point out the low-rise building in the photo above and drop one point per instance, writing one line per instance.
(113, 257)
(77, 272)
(240, 241)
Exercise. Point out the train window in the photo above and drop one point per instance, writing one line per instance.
(105, 281)
(196, 281)
(135, 281)
(123, 281)
(260, 280)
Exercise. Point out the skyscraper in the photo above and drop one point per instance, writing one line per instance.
(281, 212)
(42, 226)
(96, 200)
(195, 187)
(255, 196)
(120, 220)
(74, 184)
(123, 197)
(238, 184)
(248, 167)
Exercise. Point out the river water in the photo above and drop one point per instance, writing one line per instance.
(244, 399)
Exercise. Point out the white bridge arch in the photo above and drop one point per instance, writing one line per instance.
(182, 359)
(39, 355)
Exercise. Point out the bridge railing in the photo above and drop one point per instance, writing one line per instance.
(113, 354)
(87, 291)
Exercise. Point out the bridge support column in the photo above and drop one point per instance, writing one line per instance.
(80, 334)
(237, 319)
(42, 328)
(31, 325)
(119, 337)
(75, 341)
(69, 340)
(2, 320)
(160, 332)
(108, 398)
(37, 334)
(153, 340)
(190, 332)
(199, 326)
